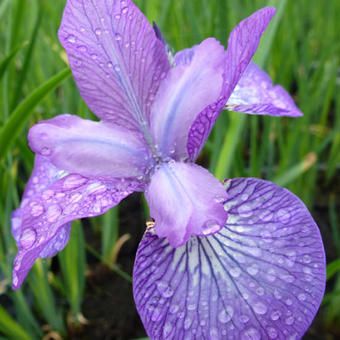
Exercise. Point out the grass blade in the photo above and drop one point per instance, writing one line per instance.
(5, 62)
(21, 114)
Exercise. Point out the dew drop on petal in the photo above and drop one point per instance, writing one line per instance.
(28, 238)
(71, 38)
(210, 227)
(251, 334)
(289, 321)
(73, 181)
(98, 31)
(45, 151)
(275, 315)
(37, 210)
(53, 212)
(118, 37)
(260, 308)
(165, 290)
(225, 315)
(272, 333)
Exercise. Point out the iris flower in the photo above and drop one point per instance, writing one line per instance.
(239, 260)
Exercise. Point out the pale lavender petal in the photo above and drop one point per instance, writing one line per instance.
(116, 59)
(185, 199)
(186, 91)
(242, 45)
(255, 94)
(45, 216)
(92, 149)
(260, 277)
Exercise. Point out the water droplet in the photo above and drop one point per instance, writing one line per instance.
(53, 212)
(82, 29)
(73, 181)
(235, 272)
(187, 323)
(96, 188)
(47, 194)
(45, 151)
(109, 64)
(117, 16)
(253, 270)
(168, 330)
(118, 37)
(251, 334)
(306, 258)
(98, 31)
(259, 291)
(156, 315)
(210, 227)
(260, 308)
(225, 315)
(117, 68)
(275, 315)
(272, 332)
(214, 333)
(28, 238)
(165, 290)
(125, 10)
(244, 318)
(302, 297)
(37, 210)
(289, 321)
(71, 38)
(289, 302)
(173, 309)
(82, 48)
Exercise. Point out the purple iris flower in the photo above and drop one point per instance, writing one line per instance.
(239, 260)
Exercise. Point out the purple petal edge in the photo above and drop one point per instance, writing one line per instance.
(261, 277)
(242, 45)
(255, 94)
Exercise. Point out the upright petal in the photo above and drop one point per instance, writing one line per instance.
(185, 199)
(255, 94)
(52, 200)
(260, 277)
(187, 90)
(242, 45)
(116, 59)
(91, 149)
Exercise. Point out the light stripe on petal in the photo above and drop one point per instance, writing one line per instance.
(260, 277)
(92, 149)
(187, 90)
(116, 59)
(255, 94)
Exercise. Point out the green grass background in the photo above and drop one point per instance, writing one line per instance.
(300, 51)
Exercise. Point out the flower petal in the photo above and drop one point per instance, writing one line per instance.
(242, 44)
(255, 94)
(260, 277)
(92, 149)
(186, 91)
(51, 201)
(181, 205)
(116, 59)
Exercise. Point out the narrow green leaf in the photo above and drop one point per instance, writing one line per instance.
(22, 113)
(11, 328)
(333, 268)
(5, 62)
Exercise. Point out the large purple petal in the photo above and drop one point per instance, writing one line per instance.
(187, 90)
(242, 45)
(92, 149)
(260, 277)
(116, 59)
(185, 199)
(51, 201)
(255, 94)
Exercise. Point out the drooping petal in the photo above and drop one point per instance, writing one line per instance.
(185, 199)
(255, 94)
(260, 277)
(187, 90)
(242, 44)
(53, 198)
(92, 149)
(116, 59)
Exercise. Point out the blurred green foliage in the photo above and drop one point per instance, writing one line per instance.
(300, 51)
